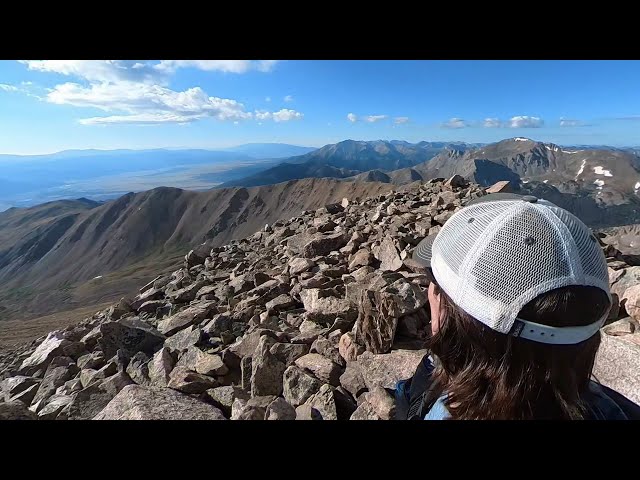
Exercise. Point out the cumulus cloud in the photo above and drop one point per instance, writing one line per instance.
(400, 120)
(288, 98)
(137, 93)
(524, 121)
(286, 115)
(455, 123)
(374, 118)
(352, 117)
(491, 123)
(567, 122)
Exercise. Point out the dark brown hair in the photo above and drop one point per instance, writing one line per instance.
(489, 375)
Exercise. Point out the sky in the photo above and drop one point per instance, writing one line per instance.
(52, 105)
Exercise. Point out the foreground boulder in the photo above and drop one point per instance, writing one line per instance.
(15, 410)
(135, 402)
(130, 336)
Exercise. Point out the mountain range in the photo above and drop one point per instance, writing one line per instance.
(70, 253)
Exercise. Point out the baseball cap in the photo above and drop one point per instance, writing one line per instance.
(502, 250)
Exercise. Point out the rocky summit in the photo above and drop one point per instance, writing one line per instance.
(313, 318)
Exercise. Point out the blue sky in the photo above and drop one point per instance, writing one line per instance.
(48, 106)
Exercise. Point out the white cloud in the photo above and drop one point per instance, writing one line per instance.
(524, 121)
(288, 98)
(374, 118)
(230, 66)
(99, 70)
(352, 117)
(566, 122)
(286, 115)
(400, 120)
(137, 93)
(455, 123)
(8, 88)
(491, 123)
(267, 99)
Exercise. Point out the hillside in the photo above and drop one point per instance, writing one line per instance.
(312, 318)
(66, 254)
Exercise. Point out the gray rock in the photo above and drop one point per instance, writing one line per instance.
(89, 401)
(382, 402)
(150, 294)
(300, 265)
(281, 303)
(74, 350)
(135, 402)
(89, 376)
(252, 409)
(388, 255)
(322, 305)
(26, 396)
(279, 409)
(223, 397)
(266, 370)
(365, 411)
(186, 294)
(246, 372)
(60, 370)
(211, 365)
(323, 401)
(15, 411)
(298, 385)
(151, 306)
(218, 324)
(287, 353)
(324, 245)
(130, 336)
(630, 278)
(385, 370)
(138, 369)
(320, 367)
(12, 386)
(182, 340)
(52, 346)
(160, 367)
(54, 406)
(187, 317)
(618, 363)
(307, 412)
(93, 360)
(187, 381)
(361, 258)
(352, 380)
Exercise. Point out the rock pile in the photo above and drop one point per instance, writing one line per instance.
(312, 318)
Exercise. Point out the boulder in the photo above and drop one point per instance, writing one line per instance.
(182, 340)
(618, 363)
(93, 360)
(377, 320)
(323, 245)
(631, 301)
(58, 372)
(52, 346)
(187, 317)
(287, 353)
(54, 407)
(136, 402)
(12, 386)
(130, 336)
(300, 265)
(160, 367)
(348, 348)
(386, 370)
(138, 369)
(279, 409)
(298, 385)
(352, 380)
(322, 305)
(323, 401)
(223, 397)
(503, 186)
(187, 381)
(365, 411)
(88, 402)
(320, 367)
(382, 402)
(266, 370)
(388, 255)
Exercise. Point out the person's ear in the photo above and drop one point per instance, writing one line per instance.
(435, 306)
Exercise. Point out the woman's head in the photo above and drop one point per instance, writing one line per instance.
(522, 290)
(490, 375)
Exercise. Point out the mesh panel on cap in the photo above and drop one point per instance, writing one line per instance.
(452, 246)
(509, 254)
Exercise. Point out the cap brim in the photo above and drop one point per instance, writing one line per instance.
(422, 253)
(492, 197)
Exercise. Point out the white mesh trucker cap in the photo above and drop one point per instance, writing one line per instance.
(501, 251)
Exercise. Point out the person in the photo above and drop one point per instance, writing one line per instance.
(519, 291)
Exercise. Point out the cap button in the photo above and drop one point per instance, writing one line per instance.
(530, 198)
